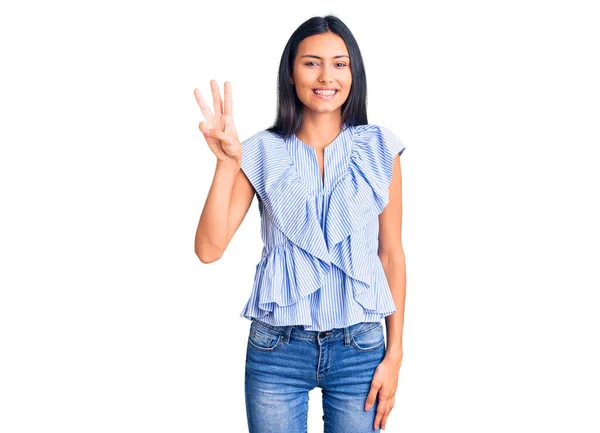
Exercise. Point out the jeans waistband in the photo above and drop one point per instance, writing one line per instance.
(332, 334)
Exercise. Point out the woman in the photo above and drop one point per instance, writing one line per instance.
(329, 191)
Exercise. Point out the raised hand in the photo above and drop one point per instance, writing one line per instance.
(219, 129)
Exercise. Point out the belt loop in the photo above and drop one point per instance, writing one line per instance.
(288, 332)
(347, 336)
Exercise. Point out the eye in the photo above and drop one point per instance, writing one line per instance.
(342, 64)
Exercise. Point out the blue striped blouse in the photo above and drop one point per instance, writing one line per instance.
(319, 265)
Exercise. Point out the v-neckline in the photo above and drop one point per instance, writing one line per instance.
(323, 183)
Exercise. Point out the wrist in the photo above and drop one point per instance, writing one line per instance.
(228, 164)
(394, 355)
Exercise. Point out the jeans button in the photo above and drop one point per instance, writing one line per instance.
(322, 334)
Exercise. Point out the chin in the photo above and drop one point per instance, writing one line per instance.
(324, 109)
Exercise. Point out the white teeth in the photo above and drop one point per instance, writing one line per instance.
(325, 92)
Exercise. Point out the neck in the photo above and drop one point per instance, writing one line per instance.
(320, 129)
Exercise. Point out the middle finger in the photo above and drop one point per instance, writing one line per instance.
(216, 94)
(381, 411)
(384, 419)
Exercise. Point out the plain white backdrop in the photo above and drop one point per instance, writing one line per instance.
(110, 323)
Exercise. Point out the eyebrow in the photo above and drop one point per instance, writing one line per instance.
(321, 58)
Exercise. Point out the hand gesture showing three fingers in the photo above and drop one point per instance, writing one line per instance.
(219, 129)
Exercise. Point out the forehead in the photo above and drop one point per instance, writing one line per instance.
(323, 45)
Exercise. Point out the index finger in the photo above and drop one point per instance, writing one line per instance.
(228, 100)
(204, 107)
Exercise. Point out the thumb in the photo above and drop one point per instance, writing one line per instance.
(202, 126)
(219, 135)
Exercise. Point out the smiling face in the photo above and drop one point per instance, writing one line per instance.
(322, 62)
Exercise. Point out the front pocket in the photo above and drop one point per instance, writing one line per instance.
(263, 339)
(369, 340)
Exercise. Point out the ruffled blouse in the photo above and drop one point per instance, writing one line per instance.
(319, 265)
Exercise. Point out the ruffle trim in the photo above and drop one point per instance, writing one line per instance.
(285, 267)
(292, 271)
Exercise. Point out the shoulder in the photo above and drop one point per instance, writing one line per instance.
(380, 137)
(260, 151)
(261, 145)
(260, 139)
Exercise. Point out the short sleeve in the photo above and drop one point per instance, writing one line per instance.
(253, 161)
(391, 146)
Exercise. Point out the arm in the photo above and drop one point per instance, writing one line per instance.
(227, 203)
(385, 380)
(231, 193)
(392, 258)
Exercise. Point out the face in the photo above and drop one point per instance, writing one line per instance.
(322, 61)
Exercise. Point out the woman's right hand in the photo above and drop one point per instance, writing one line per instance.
(219, 129)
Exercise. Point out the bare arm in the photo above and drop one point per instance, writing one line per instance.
(385, 379)
(231, 192)
(227, 204)
(393, 260)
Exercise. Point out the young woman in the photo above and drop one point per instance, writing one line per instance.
(328, 185)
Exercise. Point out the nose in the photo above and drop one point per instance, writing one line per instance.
(325, 75)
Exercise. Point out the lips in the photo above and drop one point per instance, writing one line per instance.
(325, 96)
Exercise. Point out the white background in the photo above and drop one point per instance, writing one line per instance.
(110, 323)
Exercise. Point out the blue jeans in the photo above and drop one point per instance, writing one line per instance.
(283, 363)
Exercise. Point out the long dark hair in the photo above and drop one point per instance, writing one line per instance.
(289, 107)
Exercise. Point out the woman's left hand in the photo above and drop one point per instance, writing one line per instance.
(383, 387)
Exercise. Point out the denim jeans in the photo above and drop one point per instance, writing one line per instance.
(284, 363)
